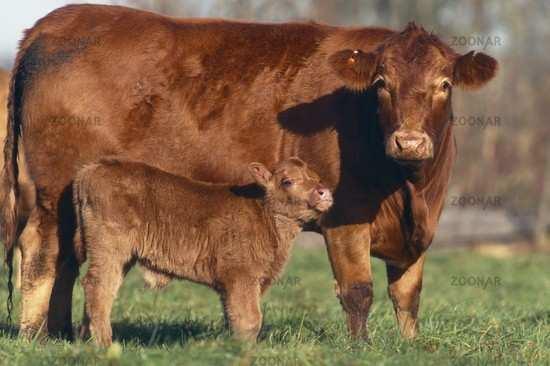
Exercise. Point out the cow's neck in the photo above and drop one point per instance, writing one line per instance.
(416, 196)
(436, 174)
(424, 198)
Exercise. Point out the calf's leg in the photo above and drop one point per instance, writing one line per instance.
(349, 253)
(101, 285)
(241, 302)
(404, 286)
(84, 331)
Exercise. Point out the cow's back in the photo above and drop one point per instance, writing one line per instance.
(193, 97)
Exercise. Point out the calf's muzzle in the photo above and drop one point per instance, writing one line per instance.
(321, 198)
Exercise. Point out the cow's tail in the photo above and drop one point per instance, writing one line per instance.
(9, 187)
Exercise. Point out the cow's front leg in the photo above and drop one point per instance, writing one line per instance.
(349, 252)
(404, 286)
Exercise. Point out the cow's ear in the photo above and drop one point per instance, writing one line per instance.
(473, 70)
(260, 173)
(354, 67)
(297, 161)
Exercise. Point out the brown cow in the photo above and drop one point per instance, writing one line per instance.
(367, 108)
(212, 234)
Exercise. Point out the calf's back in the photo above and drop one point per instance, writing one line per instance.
(171, 224)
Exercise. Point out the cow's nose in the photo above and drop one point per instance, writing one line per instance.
(410, 141)
(409, 145)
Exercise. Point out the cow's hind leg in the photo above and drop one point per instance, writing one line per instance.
(60, 307)
(38, 272)
(49, 269)
(404, 286)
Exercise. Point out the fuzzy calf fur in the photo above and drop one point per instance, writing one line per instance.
(235, 240)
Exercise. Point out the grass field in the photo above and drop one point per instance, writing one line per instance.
(474, 310)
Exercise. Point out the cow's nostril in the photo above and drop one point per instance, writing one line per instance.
(408, 143)
(398, 144)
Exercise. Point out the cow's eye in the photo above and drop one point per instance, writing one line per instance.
(286, 182)
(446, 85)
(379, 82)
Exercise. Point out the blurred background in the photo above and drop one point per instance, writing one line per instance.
(500, 189)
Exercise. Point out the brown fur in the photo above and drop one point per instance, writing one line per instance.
(26, 197)
(179, 228)
(201, 98)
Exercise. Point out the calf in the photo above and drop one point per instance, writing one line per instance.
(235, 240)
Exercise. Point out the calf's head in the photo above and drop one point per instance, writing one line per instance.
(411, 76)
(292, 189)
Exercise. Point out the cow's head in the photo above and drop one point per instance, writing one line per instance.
(412, 75)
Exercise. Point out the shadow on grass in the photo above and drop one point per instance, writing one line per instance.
(165, 333)
(171, 333)
(9, 330)
(278, 334)
(159, 333)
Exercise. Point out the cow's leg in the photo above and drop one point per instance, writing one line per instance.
(38, 272)
(48, 273)
(349, 254)
(60, 309)
(241, 302)
(404, 286)
(17, 266)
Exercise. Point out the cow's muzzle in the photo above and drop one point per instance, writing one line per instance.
(408, 146)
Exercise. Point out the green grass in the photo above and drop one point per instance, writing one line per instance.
(505, 322)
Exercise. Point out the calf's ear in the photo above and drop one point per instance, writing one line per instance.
(473, 70)
(259, 172)
(354, 67)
